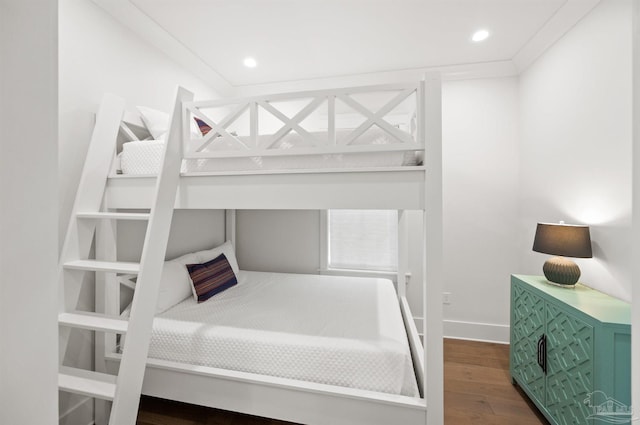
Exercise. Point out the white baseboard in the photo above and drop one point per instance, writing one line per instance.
(79, 413)
(485, 332)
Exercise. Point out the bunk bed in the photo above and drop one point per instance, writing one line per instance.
(375, 164)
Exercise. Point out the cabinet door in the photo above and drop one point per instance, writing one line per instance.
(527, 326)
(570, 343)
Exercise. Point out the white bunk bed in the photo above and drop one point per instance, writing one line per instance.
(369, 186)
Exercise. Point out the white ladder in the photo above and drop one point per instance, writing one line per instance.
(125, 388)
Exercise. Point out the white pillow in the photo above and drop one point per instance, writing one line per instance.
(226, 249)
(157, 122)
(175, 284)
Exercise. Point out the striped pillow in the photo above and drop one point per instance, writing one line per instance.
(203, 126)
(211, 277)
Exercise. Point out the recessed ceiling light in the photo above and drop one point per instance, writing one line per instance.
(250, 62)
(480, 35)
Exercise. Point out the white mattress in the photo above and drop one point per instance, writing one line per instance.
(144, 157)
(333, 330)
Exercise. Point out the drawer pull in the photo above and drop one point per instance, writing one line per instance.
(542, 353)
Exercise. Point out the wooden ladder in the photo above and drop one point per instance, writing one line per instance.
(123, 389)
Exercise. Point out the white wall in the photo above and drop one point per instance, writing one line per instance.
(278, 241)
(575, 115)
(99, 55)
(28, 213)
(480, 186)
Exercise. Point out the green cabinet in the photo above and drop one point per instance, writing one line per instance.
(571, 351)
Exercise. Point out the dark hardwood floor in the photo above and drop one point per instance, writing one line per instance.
(478, 391)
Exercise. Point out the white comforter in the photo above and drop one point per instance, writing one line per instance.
(332, 330)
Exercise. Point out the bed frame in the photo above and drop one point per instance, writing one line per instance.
(401, 188)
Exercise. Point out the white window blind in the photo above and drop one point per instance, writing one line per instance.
(363, 239)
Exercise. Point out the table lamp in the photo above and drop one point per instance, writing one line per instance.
(562, 240)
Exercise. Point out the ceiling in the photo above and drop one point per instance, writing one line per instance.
(295, 40)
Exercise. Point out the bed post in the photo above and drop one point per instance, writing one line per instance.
(635, 288)
(403, 253)
(432, 240)
(230, 227)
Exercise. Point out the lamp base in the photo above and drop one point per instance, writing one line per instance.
(561, 285)
(561, 272)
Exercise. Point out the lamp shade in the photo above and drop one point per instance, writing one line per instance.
(566, 240)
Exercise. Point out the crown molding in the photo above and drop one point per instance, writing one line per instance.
(565, 18)
(449, 73)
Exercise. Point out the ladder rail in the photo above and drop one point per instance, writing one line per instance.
(107, 301)
(87, 220)
(132, 367)
(89, 195)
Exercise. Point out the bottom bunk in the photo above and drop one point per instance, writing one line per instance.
(310, 349)
(290, 400)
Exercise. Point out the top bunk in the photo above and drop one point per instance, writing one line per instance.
(355, 148)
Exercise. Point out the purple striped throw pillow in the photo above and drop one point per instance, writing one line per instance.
(211, 277)
(203, 126)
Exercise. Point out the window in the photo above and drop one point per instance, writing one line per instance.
(362, 240)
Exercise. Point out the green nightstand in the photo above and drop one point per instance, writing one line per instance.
(571, 351)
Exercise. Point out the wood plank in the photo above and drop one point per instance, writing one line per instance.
(254, 128)
(216, 129)
(114, 216)
(107, 301)
(132, 366)
(400, 188)
(488, 399)
(331, 120)
(293, 123)
(84, 382)
(103, 266)
(89, 197)
(318, 149)
(498, 390)
(377, 118)
(93, 321)
(476, 373)
(228, 120)
(302, 95)
(478, 388)
(432, 242)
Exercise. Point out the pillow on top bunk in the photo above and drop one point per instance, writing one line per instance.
(206, 128)
(157, 122)
(175, 284)
(203, 126)
(211, 277)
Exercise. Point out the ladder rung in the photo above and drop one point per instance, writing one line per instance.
(104, 266)
(93, 321)
(85, 382)
(114, 215)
